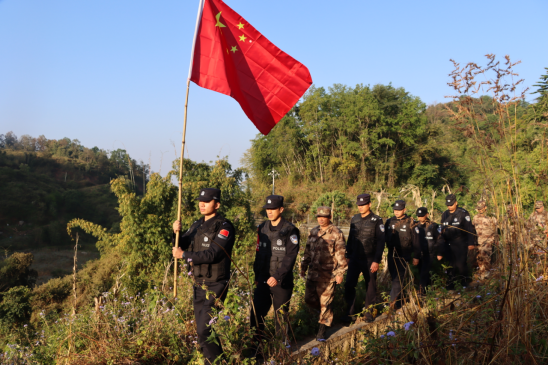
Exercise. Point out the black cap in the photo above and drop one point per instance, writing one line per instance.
(209, 194)
(363, 199)
(450, 199)
(274, 202)
(399, 205)
(422, 211)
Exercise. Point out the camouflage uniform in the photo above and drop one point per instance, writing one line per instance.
(538, 223)
(514, 227)
(486, 229)
(324, 257)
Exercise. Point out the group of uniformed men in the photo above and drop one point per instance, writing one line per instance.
(208, 243)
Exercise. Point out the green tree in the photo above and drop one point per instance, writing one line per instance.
(144, 240)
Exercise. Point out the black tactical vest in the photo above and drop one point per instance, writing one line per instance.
(427, 236)
(401, 233)
(431, 231)
(271, 248)
(363, 234)
(202, 239)
(455, 219)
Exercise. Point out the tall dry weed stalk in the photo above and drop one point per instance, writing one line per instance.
(521, 319)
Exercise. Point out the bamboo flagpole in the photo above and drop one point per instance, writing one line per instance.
(198, 18)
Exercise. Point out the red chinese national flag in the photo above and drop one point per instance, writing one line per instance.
(233, 58)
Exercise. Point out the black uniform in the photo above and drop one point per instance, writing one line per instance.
(210, 266)
(402, 239)
(365, 246)
(457, 232)
(430, 249)
(277, 249)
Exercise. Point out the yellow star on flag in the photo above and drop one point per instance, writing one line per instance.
(219, 24)
(240, 26)
(243, 38)
(234, 49)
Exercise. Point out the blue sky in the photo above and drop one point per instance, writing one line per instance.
(113, 73)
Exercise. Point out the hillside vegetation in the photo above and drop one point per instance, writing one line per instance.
(336, 144)
(384, 141)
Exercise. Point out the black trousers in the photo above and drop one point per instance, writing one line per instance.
(355, 268)
(398, 268)
(263, 298)
(202, 315)
(425, 265)
(458, 257)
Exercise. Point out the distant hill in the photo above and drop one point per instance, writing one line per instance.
(45, 183)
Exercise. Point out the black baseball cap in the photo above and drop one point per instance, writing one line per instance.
(209, 194)
(399, 205)
(450, 199)
(363, 199)
(274, 202)
(422, 211)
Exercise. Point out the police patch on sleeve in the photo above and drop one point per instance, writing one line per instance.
(294, 239)
(381, 226)
(439, 229)
(223, 233)
(417, 230)
(467, 218)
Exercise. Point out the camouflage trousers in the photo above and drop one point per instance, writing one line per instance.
(319, 295)
(485, 250)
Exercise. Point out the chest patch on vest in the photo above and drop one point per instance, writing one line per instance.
(430, 233)
(455, 219)
(381, 226)
(294, 239)
(206, 239)
(404, 226)
(416, 230)
(279, 242)
(223, 234)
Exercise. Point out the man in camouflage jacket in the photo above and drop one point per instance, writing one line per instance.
(538, 222)
(513, 227)
(487, 236)
(324, 258)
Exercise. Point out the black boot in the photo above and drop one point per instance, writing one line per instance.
(321, 333)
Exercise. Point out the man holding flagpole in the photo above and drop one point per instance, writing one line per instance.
(230, 56)
(205, 246)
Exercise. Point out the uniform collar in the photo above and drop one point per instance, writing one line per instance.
(328, 229)
(280, 224)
